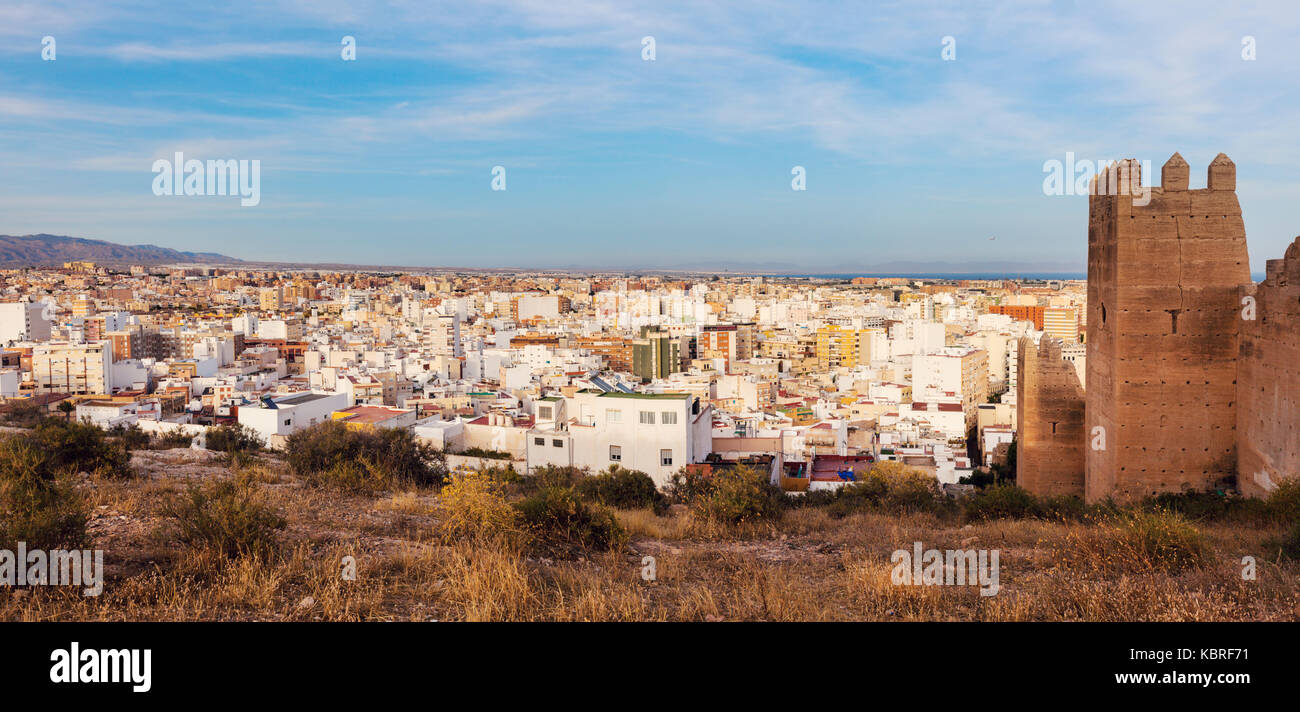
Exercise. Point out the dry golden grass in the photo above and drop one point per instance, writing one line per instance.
(806, 567)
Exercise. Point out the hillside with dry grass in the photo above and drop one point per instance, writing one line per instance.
(190, 534)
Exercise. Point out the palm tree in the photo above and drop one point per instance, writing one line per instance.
(66, 408)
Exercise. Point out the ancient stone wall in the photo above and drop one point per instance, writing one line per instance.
(1049, 413)
(1165, 266)
(1268, 378)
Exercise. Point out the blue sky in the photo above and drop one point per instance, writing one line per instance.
(613, 161)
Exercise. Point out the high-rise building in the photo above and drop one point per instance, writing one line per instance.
(655, 355)
(1061, 323)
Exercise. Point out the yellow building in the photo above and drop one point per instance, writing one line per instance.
(841, 346)
(1061, 323)
(270, 299)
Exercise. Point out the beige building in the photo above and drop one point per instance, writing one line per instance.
(73, 368)
(1061, 323)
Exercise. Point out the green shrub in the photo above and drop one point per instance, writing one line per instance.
(333, 454)
(1289, 544)
(505, 474)
(1283, 503)
(38, 502)
(1162, 539)
(555, 476)
(1065, 508)
(888, 487)
(1208, 506)
(688, 485)
(81, 447)
(622, 488)
(560, 524)
(172, 439)
(736, 495)
(232, 439)
(485, 453)
(228, 517)
(132, 437)
(1002, 502)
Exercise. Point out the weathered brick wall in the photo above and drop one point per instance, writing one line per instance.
(1268, 380)
(1163, 330)
(1049, 415)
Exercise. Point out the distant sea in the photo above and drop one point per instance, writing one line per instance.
(942, 275)
(1258, 276)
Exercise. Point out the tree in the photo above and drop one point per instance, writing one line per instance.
(67, 408)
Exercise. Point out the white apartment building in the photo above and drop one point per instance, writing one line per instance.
(654, 433)
(22, 321)
(106, 414)
(954, 371)
(539, 307)
(282, 415)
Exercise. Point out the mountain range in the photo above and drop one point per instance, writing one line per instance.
(53, 250)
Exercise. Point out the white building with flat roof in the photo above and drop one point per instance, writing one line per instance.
(23, 321)
(282, 415)
(655, 433)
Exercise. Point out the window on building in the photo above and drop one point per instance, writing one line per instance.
(613, 416)
(615, 453)
(544, 412)
(288, 421)
(668, 417)
(665, 457)
(539, 441)
(557, 443)
(647, 417)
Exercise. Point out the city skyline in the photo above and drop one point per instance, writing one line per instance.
(613, 160)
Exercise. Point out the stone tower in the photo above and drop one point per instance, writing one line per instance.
(1268, 378)
(1049, 413)
(1165, 266)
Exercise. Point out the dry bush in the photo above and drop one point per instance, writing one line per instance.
(645, 523)
(227, 517)
(409, 502)
(473, 506)
(331, 454)
(1137, 542)
(559, 523)
(38, 502)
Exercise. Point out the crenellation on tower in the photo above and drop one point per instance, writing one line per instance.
(1222, 174)
(1175, 174)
